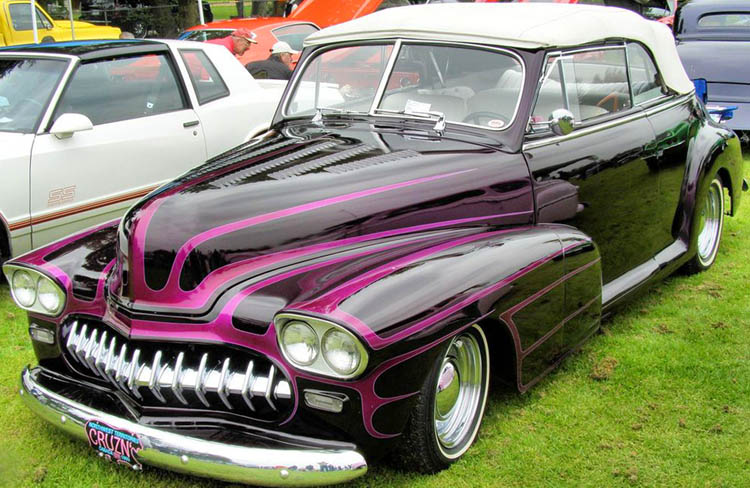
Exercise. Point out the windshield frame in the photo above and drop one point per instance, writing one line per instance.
(398, 43)
(47, 108)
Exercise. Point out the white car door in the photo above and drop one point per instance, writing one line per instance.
(144, 133)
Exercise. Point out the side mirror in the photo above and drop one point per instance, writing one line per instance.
(68, 124)
(561, 122)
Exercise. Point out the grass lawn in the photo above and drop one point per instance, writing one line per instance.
(670, 405)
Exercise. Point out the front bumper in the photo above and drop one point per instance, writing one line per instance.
(199, 457)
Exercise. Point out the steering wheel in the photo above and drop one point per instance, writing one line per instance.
(483, 114)
(613, 97)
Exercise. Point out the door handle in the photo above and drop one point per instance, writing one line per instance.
(192, 123)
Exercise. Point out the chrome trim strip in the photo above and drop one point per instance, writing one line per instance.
(198, 457)
(666, 106)
(386, 76)
(607, 125)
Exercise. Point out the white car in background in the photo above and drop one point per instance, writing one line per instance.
(87, 128)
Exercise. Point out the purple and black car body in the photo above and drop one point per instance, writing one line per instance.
(713, 40)
(465, 191)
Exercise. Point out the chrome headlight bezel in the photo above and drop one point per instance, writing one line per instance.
(320, 364)
(38, 278)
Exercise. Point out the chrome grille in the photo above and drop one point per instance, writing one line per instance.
(166, 375)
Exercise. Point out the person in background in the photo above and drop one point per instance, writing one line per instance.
(238, 42)
(278, 66)
(126, 35)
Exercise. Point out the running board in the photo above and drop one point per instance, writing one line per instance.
(627, 283)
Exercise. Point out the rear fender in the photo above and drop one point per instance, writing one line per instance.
(714, 150)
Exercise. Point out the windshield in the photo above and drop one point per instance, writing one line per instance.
(25, 88)
(465, 85)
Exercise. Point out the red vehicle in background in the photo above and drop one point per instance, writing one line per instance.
(308, 17)
(268, 31)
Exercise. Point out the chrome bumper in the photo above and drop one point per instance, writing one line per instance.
(258, 466)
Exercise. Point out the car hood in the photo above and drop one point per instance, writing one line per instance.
(86, 30)
(303, 193)
(715, 61)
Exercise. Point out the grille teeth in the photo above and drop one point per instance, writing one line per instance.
(97, 351)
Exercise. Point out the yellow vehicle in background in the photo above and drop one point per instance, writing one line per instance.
(16, 26)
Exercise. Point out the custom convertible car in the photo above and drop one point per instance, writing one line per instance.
(494, 181)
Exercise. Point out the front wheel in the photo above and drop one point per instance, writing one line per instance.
(710, 217)
(446, 418)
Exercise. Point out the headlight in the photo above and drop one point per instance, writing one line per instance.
(319, 346)
(24, 288)
(50, 295)
(340, 352)
(300, 342)
(35, 291)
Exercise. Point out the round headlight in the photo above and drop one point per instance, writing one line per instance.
(49, 296)
(341, 352)
(300, 342)
(24, 288)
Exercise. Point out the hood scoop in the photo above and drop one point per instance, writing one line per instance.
(319, 163)
(241, 177)
(373, 161)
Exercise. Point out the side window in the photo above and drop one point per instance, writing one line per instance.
(122, 89)
(205, 78)
(644, 77)
(21, 17)
(294, 34)
(588, 84)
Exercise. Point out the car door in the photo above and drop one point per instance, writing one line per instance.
(601, 177)
(20, 23)
(144, 133)
(674, 121)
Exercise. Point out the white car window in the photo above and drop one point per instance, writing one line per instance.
(203, 75)
(121, 89)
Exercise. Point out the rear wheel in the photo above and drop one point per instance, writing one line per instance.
(446, 419)
(710, 217)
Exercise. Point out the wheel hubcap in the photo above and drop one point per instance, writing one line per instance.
(459, 392)
(710, 223)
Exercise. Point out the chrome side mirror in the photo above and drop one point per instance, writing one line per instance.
(68, 124)
(561, 122)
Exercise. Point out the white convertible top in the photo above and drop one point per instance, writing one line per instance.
(520, 25)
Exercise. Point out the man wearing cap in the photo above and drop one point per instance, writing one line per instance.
(277, 66)
(238, 42)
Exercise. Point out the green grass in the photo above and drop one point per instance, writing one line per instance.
(671, 407)
(222, 12)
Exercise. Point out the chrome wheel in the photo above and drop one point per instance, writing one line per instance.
(711, 219)
(460, 394)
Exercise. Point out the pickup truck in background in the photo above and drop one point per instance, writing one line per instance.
(16, 27)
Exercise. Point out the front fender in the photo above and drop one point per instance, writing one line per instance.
(79, 262)
(403, 307)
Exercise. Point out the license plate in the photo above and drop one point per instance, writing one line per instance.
(116, 445)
